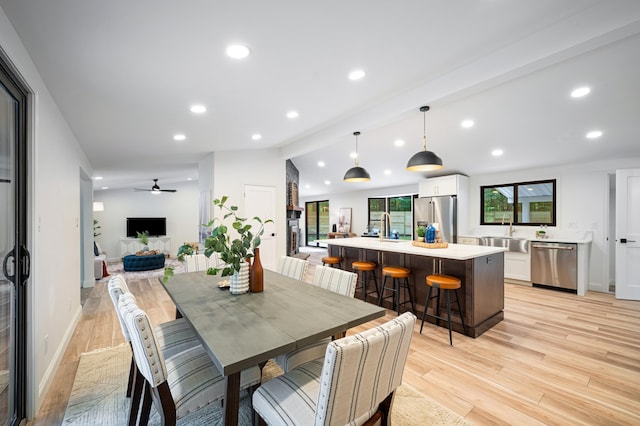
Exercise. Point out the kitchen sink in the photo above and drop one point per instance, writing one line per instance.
(518, 245)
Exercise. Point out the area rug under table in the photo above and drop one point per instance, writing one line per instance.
(98, 397)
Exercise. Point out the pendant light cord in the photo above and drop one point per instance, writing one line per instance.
(424, 129)
(357, 155)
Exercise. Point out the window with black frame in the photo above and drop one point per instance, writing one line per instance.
(523, 203)
(400, 208)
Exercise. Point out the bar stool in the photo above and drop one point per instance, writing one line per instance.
(365, 267)
(446, 283)
(397, 273)
(331, 260)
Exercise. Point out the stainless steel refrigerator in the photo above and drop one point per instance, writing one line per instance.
(441, 210)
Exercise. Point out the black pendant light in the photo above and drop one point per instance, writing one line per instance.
(424, 161)
(357, 173)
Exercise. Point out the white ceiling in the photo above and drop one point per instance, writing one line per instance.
(125, 73)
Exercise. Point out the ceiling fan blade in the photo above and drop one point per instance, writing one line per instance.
(168, 190)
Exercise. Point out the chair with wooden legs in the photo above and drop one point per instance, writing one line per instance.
(180, 384)
(447, 283)
(293, 267)
(333, 279)
(396, 273)
(353, 384)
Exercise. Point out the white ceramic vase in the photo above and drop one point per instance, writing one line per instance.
(239, 281)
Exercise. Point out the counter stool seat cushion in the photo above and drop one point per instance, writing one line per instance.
(445, 282)
(363, 266)
(396, 272)
(331, 260)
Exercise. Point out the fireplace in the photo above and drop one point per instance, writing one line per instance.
(293, 232)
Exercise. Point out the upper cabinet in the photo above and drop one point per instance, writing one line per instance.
(443, 185)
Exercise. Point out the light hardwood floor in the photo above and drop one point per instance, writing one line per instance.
(556, 359)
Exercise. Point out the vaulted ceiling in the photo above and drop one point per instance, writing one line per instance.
(124, 74)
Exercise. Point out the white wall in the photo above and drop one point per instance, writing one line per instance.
(54, 231)
(180, 208)
(582, 192)
(234, 169)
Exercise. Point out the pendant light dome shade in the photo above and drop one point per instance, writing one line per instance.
(424, 161)
(356, 173)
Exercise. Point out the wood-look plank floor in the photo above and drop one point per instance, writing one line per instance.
(556, 359)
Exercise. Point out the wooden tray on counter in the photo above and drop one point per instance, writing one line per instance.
(430, 245)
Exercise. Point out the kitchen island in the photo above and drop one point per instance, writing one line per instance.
(480, 268)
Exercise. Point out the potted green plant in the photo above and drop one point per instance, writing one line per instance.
(421, 231)
(144, 239)
(235, 242)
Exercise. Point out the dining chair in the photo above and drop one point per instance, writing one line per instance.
(293, 267)
(200, 262)
(353, 384)
(332, 279)
(180, 384)
(173, 337)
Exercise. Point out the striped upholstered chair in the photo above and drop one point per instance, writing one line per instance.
(353, 384)
(200, 262)
(293, 267)
(180, 384)
(173, 336)
(333, 279)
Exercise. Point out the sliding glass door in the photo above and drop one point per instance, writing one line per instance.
(317, 221)
(13, 252)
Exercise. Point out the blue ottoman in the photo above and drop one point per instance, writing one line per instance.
(133, 262)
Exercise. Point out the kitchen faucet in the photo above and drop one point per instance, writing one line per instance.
(383, 225)
(511, 230)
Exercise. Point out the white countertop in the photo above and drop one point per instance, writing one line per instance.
(454, 251)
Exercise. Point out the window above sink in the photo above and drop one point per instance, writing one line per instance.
(535, 203)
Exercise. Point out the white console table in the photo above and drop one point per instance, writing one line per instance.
(132, 245)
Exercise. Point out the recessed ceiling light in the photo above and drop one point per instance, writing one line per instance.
(387, 172)
(189, 178)
(307, 186)
(467, 123)
(238, 51)
(398, 142)
(98, 178)
(105, 187)
(356, 75)
(256, 136)
(327, 182)
(594, 134)
(179, 137)
(198, 109)
(580, 92)
(353, 155)
(497, 152)
(320, 163)
(292, 114)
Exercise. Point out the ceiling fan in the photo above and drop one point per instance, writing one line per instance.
(155, 189)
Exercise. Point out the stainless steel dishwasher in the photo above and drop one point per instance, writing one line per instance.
(554, 265)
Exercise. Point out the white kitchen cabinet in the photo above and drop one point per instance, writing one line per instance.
(517, 266)
(443, 185)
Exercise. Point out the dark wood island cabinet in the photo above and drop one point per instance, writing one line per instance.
(481, 270)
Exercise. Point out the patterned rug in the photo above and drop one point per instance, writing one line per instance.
(98, 397)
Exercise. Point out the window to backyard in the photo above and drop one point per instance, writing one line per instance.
(524, 203)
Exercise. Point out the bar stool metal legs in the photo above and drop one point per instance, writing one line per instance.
(366, 269)
(396, 273)
(440, 283)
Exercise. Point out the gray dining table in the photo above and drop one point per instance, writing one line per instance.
(240, 331)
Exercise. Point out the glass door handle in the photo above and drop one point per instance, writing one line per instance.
(5, 271)
(25, 263)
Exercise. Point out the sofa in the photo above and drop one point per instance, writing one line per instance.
(99, 261)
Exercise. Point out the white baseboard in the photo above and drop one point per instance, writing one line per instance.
(50, 372)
